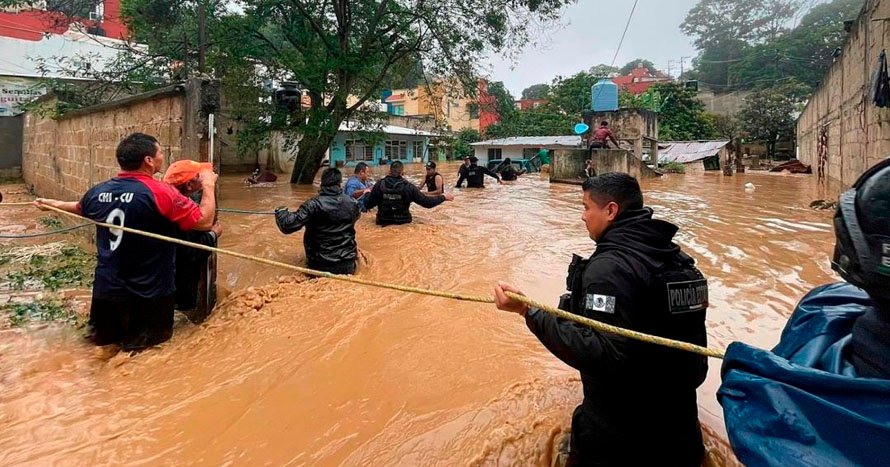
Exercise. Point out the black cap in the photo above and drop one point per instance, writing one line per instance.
(431, 165)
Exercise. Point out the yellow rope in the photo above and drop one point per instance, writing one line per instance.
(674, 344)
(17, 204)
(600, 326)
(307, 271)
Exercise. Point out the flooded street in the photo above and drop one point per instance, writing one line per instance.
(292, 371)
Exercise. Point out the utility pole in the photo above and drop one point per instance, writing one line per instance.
(682, 59)
(670, 62)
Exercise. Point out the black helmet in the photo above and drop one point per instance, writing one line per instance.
(862, 231)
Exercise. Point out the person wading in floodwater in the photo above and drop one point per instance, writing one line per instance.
(359, 184)
(133, 291)
(508, 172)
(394, 195)
(329, 219)
(434, 181)
(475, 175)
(191, 263)
(639, 404)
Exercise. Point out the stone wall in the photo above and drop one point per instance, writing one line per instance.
(841, 132)
(635, 129)
(725, 103)
(568, 164)
(64, 157)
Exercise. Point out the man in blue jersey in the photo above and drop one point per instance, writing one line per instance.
(133, 291)
(359, 185)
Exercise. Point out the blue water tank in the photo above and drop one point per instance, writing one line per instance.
(604, 96)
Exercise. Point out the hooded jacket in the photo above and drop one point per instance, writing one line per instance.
(394, 195)
(639, 404)
(329, 219)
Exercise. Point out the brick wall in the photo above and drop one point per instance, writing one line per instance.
(841, 132)
(64, 157)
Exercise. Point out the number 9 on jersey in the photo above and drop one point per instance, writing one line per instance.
(115, 217)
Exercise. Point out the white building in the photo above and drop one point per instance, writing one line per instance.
(21, 69)
(521, 147)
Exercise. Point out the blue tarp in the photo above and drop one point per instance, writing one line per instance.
(801, 404)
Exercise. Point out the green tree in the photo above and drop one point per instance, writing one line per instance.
(681, 117)
(504, 103)
(536, 91)
(344, 52)
(602, 70)
(540, 121)
(571, 95)
(638, 63)
(803, 54)
(768, 115)
(462, 142)
(723, 30)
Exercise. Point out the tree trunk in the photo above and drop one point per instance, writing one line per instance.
(310, 154)
(319, 131)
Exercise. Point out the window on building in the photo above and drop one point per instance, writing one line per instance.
(417, 146)
(396, 149)
(357, 150)
(495, 154)
(528, 153)
(473, 109)
(398, 109)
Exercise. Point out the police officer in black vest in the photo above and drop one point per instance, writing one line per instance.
(394, 196)
(639, 404)
(475, 175)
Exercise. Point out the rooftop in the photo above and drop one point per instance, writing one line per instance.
(688, 151)
(388, 129)
(534, 141)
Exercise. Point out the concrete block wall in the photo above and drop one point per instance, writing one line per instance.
(65, 156)
(62, 158)
(858, 132)
(568, 164)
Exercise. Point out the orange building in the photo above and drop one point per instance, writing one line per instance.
(452, 110)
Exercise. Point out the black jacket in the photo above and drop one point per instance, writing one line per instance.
(509, 173)
(394, 196)
(639, 403)
(475, 176)
(329, 219)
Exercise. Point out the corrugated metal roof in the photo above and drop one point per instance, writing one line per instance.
(388, 129)
(688, 151)
(534, 141)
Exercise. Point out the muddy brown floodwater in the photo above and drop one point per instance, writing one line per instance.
(291, 371)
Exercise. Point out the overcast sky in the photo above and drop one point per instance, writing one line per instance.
(590, 36)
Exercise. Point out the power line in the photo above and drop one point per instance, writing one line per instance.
(618, 49)
(738, 85)
(626, 26)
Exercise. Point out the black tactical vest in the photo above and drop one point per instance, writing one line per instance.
(393, 205)
(431, 182)
(475, 177)
(677, 299)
